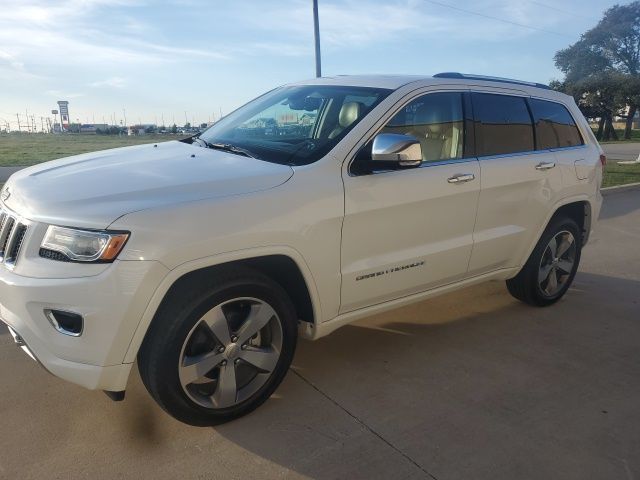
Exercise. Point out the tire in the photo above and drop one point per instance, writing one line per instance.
(200, 345)
(531, 285)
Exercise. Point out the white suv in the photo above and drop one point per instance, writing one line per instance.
(314, 205)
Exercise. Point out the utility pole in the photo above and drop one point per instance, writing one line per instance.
(316, 34)
(19, 127)
(124, 114)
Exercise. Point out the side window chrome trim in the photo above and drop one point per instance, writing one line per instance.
(574, 147)
(435, 163)
(532, 152)
(513, 154)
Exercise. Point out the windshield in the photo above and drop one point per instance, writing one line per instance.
(294, 125)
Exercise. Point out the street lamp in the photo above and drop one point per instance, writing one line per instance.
(316, 34)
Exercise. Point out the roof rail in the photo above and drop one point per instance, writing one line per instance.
(466, 76)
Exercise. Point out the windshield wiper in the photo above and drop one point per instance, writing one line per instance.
(227, 147)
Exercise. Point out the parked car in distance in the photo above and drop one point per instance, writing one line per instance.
(316, 204)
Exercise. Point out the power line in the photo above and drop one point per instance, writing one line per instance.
(503, 20)
(565, 12)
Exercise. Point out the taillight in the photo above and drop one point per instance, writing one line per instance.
(603, 160)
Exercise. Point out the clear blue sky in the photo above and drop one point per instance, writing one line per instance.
(162, 58)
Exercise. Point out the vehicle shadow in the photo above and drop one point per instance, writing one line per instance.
(473, 375)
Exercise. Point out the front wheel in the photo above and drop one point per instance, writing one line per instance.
(553, 264)
(220, 348)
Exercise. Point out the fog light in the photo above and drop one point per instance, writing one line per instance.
(67, 323)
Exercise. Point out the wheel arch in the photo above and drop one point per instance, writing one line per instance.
(284, 265)
(578, 208)
(580, 211)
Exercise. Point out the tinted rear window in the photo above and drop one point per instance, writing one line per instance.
(555, 127)
(503, 124)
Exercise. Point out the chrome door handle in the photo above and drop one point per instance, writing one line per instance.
(461, 178)
(545, 165)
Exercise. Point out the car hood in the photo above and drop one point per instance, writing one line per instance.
(94, 189)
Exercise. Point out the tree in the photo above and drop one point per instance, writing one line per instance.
(611, 48)
(174, 128)
(598, 97)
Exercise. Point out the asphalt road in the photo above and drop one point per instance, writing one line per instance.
(6, 172)
(471, 385)
(622, 151)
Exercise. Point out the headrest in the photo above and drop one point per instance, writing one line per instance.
(427, 115)
(349, 113)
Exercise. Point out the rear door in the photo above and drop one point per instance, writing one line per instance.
(408, 230)
(519, 183)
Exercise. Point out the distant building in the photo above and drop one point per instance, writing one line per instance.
(93, 128)
(142, 129)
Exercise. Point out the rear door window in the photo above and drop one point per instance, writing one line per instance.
(503, 124)
(555, 127)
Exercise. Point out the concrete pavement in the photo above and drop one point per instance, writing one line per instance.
(471, 385)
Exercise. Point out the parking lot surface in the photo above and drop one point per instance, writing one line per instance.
(468, 385)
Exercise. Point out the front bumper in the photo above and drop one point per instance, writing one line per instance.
(111, 303)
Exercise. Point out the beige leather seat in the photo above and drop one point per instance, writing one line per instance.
(435, 138)
(349, 113)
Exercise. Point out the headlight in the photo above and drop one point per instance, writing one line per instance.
(84, 245)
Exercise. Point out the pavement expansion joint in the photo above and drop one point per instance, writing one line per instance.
(364, 425)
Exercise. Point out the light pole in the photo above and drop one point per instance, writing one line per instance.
(316, 34)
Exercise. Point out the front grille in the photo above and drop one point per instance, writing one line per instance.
(12, 233)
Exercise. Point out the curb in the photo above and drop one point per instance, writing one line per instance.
(619, 189)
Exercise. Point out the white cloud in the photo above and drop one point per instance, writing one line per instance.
(62, 94)
(112, 82)
(71, 32)
(356, 24)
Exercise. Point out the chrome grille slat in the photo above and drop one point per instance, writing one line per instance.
(12, 233)
(7, 228)
(14, 244)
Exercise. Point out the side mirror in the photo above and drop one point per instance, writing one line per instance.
(404, 150)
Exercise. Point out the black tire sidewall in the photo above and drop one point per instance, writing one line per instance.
(166, 351)
(551, 231)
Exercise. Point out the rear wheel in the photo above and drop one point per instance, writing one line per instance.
(220, 350)
(550, 269)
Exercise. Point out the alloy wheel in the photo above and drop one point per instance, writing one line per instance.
(557, 263)
(230, 353)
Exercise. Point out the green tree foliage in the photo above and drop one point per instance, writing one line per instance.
(602, 69)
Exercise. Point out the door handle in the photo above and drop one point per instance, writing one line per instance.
(545, 165)
(461, 178)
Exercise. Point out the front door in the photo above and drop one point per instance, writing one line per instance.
(409, 230)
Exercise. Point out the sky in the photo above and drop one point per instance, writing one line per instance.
(190, 60)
